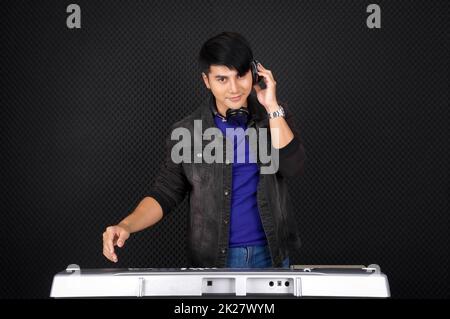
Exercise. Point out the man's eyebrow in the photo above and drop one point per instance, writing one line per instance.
(222, 76)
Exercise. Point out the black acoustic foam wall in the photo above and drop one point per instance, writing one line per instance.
(84, 114)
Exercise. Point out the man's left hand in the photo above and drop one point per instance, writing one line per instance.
(267, 97)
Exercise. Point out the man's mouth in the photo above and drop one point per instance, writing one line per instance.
(235, 99)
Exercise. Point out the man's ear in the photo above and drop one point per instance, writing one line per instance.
(206, 80)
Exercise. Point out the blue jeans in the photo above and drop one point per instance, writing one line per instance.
(251, 257)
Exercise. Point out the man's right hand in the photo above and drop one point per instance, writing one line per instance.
(114, 236)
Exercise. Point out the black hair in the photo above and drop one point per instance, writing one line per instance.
(227, 48)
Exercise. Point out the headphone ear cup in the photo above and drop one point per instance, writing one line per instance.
(238, 116)
(254, 72)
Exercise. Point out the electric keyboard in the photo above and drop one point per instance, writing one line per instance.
(297, 281)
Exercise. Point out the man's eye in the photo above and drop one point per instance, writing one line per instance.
(221, 79)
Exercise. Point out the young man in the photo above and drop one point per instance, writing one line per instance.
(239, 216)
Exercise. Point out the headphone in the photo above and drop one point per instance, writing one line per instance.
(254, 66)
(241, 116)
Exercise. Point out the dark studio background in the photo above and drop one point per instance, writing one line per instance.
(84, 114)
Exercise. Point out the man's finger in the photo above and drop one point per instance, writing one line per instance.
(122, 238)
(257, 88)
(109, 243)
(107, 249)
(112, 233)
(106, 238)
(109, 256)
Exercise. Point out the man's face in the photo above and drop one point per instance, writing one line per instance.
(226, 84)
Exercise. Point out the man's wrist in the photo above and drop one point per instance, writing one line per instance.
(277, 112)
(273, 108)
(125, 226)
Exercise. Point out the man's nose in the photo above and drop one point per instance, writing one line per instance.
(233, 86)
